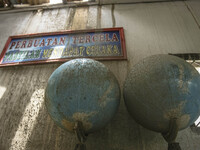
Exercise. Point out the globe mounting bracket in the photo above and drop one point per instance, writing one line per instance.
(171, 135)
(81, 136)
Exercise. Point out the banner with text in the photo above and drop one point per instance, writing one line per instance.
(100, 44)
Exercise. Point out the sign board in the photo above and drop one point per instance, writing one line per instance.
(99, 44)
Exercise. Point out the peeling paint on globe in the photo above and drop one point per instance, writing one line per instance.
(160, 88)
(82, 90)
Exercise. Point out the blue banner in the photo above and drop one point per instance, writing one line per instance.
(62, 46)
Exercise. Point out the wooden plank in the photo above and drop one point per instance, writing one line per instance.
(157, 28)
(47, 21)
(106, 16)
(11, 25)
(92, 17)
(127, 1)
(194, 7)
(80, 18)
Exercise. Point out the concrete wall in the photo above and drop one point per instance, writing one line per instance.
(126, 1)
(150, 28)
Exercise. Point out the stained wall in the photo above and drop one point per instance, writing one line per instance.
(150, 28)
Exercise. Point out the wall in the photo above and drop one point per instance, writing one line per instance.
(127, 1)
(150, 28)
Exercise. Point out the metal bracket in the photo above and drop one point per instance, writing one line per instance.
(80, 133)
(171, 135)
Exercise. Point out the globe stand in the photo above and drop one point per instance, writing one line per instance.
(79, 131)
(174, 146)
(171, 135)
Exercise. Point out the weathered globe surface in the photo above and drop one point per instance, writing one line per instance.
(161, 87)
(82, 90)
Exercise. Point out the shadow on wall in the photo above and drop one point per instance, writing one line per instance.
(28, 120)
(26, 125)
(19, 102)
(12, 103)
(2, 91)
(121, 134)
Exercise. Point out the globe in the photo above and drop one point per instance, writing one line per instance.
(82, 90)
(160, 88)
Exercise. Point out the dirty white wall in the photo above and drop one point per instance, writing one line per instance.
(150, 28)
(126, 1)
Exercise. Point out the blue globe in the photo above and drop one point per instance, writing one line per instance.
(162, 87)
(82, 90)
